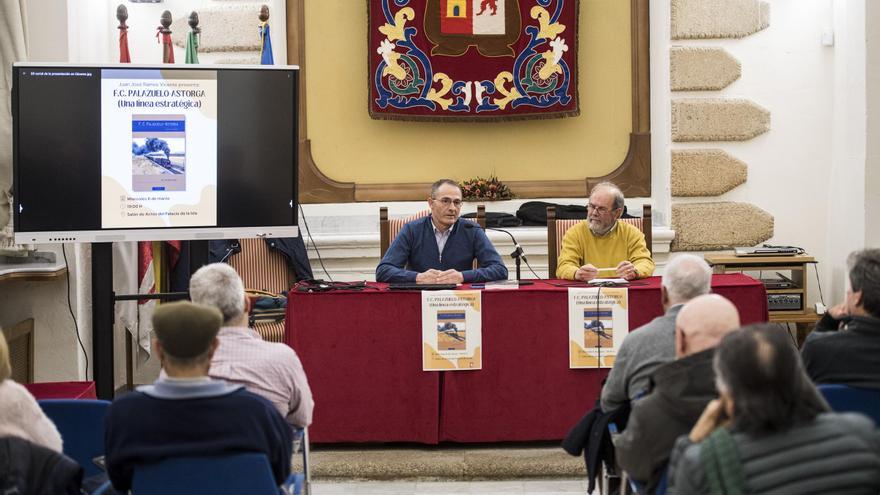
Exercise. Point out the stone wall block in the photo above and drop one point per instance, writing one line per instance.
(715, 226)
(697, 19)
(707, 172)
(225, 28)
(702, 69)
(713, 119)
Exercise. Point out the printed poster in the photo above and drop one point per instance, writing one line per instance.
(451, 330)
(598, 321)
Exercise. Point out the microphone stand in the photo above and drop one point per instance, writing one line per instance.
(517, 255)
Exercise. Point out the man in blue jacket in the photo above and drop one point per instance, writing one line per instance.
(440, 249)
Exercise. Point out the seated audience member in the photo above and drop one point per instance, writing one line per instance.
(187, 413)
(647, 347)
(269, 369)
(20, 415)
(30, 446)
(603, 245)
(769, 431)
(681, 390)
(849, 356)
(440, 248)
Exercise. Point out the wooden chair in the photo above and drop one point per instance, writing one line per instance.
(556, 230)
(266, 270)
(390, 227)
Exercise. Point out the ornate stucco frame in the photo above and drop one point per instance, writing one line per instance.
(633, 174)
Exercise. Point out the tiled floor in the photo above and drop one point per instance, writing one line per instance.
(528, 487)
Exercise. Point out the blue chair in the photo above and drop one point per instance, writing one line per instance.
(239, 473)
(81, 424)
(843, 398)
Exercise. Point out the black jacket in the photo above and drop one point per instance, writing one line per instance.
(681, 389)
(293, 249)
(27, 468)
(846, 357)
(591, 436)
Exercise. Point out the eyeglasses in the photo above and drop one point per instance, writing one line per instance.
(599, 209)
(448, 201)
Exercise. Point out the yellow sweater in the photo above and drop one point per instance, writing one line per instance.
(624, 242)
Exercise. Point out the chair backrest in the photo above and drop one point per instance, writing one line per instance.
(239, 473)
(843, 398)
(390, 227)
(556, 230)
(263, 269)
(81, 424)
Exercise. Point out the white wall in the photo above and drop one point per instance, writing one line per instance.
(846, 220)
(872, 163)
(786, 70)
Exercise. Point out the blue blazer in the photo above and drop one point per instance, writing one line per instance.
(414, 250)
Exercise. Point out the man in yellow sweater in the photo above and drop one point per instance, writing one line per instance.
(602, 246)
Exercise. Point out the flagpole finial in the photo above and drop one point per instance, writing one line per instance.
(264, 13)
(122, 16)
(194, 22)
(165, 21)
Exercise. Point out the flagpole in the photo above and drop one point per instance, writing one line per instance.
(266, 57)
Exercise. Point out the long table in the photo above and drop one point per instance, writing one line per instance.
(362, 354)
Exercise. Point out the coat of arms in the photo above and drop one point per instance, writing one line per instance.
(472, 59)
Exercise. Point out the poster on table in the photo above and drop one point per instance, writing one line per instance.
(451, 330)
(598, 321)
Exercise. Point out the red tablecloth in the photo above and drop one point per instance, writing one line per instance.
(362, 354)
(62, 390)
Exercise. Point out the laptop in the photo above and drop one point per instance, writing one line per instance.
(415, 286)
(765, 251)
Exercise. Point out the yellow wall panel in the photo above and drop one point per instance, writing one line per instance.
(348, 146)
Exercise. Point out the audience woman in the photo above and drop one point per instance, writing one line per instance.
(770, 431)
(20, 415)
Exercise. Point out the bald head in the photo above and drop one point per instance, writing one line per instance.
(703, 322)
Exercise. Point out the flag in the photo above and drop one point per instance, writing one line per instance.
(192, 48)
(164, 37)
(124, 56)
(265, 45)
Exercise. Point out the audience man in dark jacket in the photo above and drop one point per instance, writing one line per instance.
(849, 355)
(681, 390)
(187, 413)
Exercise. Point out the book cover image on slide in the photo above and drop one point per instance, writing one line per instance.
(158, 153)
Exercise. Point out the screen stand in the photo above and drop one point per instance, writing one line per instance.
(103, 312)
(102, 319)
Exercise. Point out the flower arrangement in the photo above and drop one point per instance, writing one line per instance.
(490, 189)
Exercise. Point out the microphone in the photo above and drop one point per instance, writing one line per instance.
(517, 253)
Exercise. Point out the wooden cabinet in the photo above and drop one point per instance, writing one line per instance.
(787, 304)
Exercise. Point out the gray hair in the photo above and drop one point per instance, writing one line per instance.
(218, 285)
(686, 277)
(615, 191)
(864, 275)
(442, 182)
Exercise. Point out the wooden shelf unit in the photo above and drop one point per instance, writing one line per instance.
(797, 267)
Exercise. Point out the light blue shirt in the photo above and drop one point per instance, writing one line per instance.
(441, 236)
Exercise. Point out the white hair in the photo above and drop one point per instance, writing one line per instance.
(218, 285)
(686, 277)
